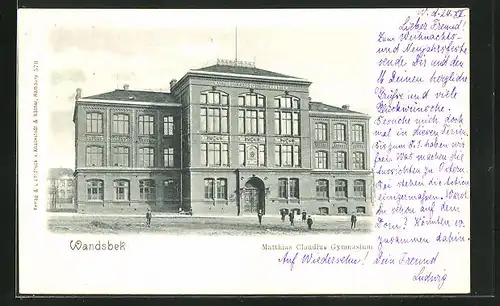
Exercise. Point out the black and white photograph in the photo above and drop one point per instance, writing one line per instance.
(296, 142)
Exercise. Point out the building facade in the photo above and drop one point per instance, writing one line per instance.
(61, 190)
(227, 139)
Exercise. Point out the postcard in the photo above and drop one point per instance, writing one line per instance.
(243, 151)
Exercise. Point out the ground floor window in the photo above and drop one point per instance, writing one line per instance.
(361, 210)
(121, 190)
(323, 211)
(170, 189)
(342, 210)
(95, 190)
(147, 190)
(284, 211)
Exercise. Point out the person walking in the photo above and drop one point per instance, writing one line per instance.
(283, 214)
(148, 217)
(304, 216)
(353, 220)
(309, 222)
(259, 215)
(291, 216)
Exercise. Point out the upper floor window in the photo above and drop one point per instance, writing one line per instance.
(94, 156)
(170, 189)
(214, 120)
(320, 130)
(214, 97)
(339, 160)
(321, 158)
(251, 121)
(95, 190)
(340, 188)
(252, 155)
(251, 100)
(358, 133)
(214, 154)
(358, 162)
(322, 188)
(168, 157)
(168, 125)
(286, 123)
(146, 157)
(121, 156)
(339, 132)
(121, 190)
(146, 125)
(120, 124)
(287, 156)
(287, 102)
(94, 123)
(359, 188)
(147, 190)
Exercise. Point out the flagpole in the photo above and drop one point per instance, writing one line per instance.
(236, 47)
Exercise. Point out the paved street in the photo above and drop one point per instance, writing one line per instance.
(200, 225)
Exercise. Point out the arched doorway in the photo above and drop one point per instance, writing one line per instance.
(254, 196)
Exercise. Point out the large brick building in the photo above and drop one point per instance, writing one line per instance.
(227, 139)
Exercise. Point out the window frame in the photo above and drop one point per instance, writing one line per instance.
(125, 187)
(120, 124)
(99, 123)
(359, 188)
(358, 160)
(151, 157)
(147, 190)
(94, 156)
(321, 131)
(169, 157)
(322, 189)
(118, 157)
(99, 189)
(339, 132)
(345, 193)
(321, 158)
(342, 157)
(358, 133)
(168, 125)
(142, 123)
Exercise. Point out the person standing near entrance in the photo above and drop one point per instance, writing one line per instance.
(309, 222)
(283, 214)
(304, 216)
(353, 220)
(259, 215)
(291, 216)
(148, 217)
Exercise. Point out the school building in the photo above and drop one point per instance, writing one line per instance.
(226, 139)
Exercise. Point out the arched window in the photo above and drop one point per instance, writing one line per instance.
(358, 133)
(360, 188)
(95, 190)
(322, 188)
(339, 132)
(121, 190)
(94, 122)
(94, 156)
(339, 160)
(324, 211)
(320, 130)
(283, 188)
(294, 188)
(214, 112)
(209, 188)
(120, 124)
(321, 158)
(342, 210)
(358, 162)
(340, 188)
(251, 116)
(147, 190)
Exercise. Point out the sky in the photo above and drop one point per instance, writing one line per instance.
(101, 50)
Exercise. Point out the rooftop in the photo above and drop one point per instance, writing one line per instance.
(243, 68)
(322, 107)
(135, 95)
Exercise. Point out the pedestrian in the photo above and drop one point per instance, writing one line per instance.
(309, 222)
(283, 214)
(291, 216)
(148, 217)
(353, 221)
(190, 211)
(304, 216)
(259, 215)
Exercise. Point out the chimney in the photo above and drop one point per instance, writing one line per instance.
(345, 106)
(125, 87)
(172, 84)
(78, 95)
